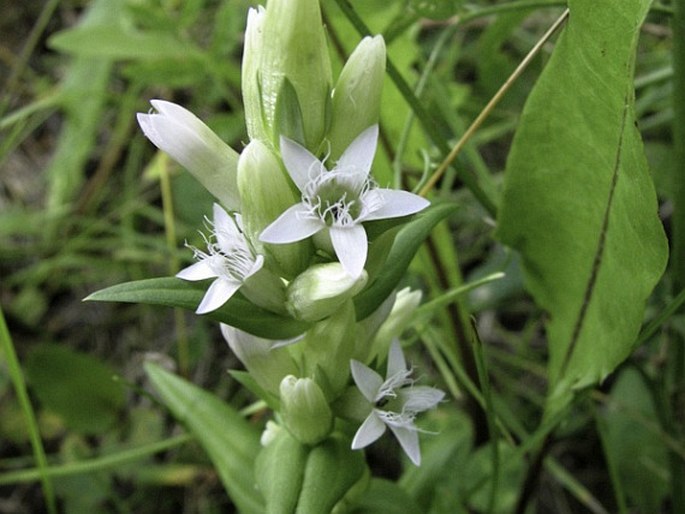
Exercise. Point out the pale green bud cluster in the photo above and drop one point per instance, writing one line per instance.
(286, 72)
(290, 239)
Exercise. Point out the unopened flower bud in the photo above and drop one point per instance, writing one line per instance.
(286, 43)
(305, 410)
(265, 192)
(321, 290)
(357, 95)
(406, 302)
(194, 146)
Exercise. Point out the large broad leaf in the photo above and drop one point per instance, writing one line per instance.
(231, 442)
(579, 204)
(174, 292)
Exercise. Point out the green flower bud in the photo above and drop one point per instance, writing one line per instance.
(194, 146)
(286, 43)
(406, 302)
(252, 98)
(279, 471)
(321, 290)
(304, 410)
(265, 193)
(357, 95)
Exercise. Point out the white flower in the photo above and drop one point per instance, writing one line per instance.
(229, 259)
(395, 403)
(194, 146)
(338, 200)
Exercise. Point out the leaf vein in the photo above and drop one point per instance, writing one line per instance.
(599, 252)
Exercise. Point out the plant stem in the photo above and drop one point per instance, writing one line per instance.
(17, 377)
(490, 415)
(475, 125)
(678, 244)
(96, 464)
(170, 232)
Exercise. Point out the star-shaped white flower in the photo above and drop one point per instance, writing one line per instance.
(338, 200)
(229, 259)
(395, 403)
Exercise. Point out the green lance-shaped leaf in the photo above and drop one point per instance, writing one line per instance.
(231, 443)
(397, 259)
(579, 204)
(173, 292)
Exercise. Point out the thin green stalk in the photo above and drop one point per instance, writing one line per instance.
(653, 326)
(97, 464)
(19, 384)
(445, 36)
(425, 311)
(170, 232)
(430, 125)
(484, 380)
(619, 494)
(482, 116)
(678, 245)
(577, 490)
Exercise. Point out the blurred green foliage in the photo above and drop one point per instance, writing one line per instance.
(85, 202)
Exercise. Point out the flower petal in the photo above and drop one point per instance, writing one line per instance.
(371, 429)
(420, 398)
(302, 166)
(357, 157)
(351, 246)
(409, 441)
(395, 203)
(295, 224)
(396, 362)
(198, 271)
(227, 234)
(219, 292)
(367, 380)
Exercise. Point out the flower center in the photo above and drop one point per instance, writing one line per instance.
(335, 198)
(236, 264)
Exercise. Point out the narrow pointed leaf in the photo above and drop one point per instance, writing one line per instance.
(406, 244)
(173, 292)
(579, 204)
(230, 442)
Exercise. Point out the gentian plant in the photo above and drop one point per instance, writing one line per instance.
(305, 254)
(288, 235)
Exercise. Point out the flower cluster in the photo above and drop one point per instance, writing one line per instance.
(289, 227)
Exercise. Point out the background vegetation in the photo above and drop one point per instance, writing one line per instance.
(86, 202)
